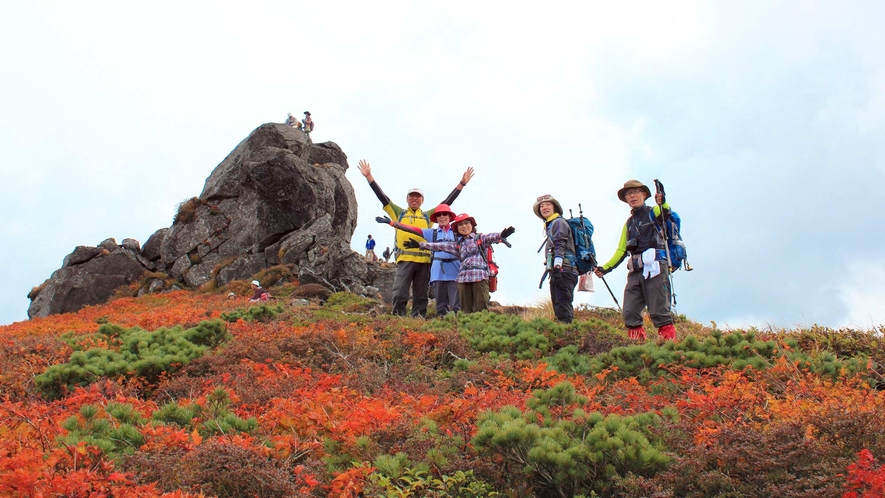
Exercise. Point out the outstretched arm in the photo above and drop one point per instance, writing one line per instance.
(465, 179)
(366, 170)
(400, 226)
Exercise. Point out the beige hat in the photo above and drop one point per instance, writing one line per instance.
(416, 190)
(631, 184)
(546, 198)
(255, 282)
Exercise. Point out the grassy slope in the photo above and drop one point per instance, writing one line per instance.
(333, 400)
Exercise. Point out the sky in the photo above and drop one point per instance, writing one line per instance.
(764, 120)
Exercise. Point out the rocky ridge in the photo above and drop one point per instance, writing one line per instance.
(277, 198)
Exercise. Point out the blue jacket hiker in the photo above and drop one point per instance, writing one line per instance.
(412, 263)
(472, 251)
(370, 249)
(444, 266)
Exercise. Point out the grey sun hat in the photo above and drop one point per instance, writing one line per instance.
(546, 198)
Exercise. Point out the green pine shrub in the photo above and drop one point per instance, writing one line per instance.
(509, 335)
(737, 350)
(115, 432)
(143, 354)
(564, 450)
(259, 313)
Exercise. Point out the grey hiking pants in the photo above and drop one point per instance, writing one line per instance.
(653, 293)
(447, 298)
(417, 277)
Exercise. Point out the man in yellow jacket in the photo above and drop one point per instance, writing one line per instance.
(412, 265)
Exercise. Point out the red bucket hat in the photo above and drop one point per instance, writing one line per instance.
(462, 217)
(442, 209)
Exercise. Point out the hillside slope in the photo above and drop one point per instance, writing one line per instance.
(184, 393)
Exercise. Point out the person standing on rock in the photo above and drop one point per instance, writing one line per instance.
(370, 249)
(647, 283)
(308, 123)
(445, 266)
(412, 264)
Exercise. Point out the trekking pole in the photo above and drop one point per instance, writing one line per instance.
(659, 189)
(593, 259)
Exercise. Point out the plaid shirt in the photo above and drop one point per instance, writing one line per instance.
(473, 263)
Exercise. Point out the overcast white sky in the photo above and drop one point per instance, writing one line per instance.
(765, 121)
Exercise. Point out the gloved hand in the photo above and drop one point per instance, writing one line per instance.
(557, 262)
(411, 244)
(507, 232)
(383, 219)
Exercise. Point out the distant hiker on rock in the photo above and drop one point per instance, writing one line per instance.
(413, 265)
(445, 266)
(293, 121)
(559, 253)
(472, 251)
(308, 123)
(370, 249)
(386, 254)
(258, 293)
(641, 244)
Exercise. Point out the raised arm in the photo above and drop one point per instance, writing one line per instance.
(366, 170)
(465, 179)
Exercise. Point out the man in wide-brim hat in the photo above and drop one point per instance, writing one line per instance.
(647, 270)
(559, 252)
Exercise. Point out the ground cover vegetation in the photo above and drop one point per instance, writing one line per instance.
(194, 394)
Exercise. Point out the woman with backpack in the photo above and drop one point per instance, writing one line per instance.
(471, 248)
(559, 252)
(444, 266)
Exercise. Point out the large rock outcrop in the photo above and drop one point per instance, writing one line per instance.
(89, 275)
(276, 199)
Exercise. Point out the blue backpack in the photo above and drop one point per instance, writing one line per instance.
(585, 253)
(674, 239)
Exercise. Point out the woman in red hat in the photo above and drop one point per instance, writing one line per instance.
(445, 266)
(471, 248)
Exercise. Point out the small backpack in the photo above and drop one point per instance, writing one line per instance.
(585, 252)
(493, 268)
(675, 244)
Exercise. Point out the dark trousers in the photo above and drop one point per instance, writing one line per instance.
(417, 277)
(447, 297)
(562, 293)
(653, 293)
(474, 296)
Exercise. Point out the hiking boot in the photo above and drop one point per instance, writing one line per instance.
(636, 333)
(668, 332)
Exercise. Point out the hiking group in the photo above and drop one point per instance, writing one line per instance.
(455, 260)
